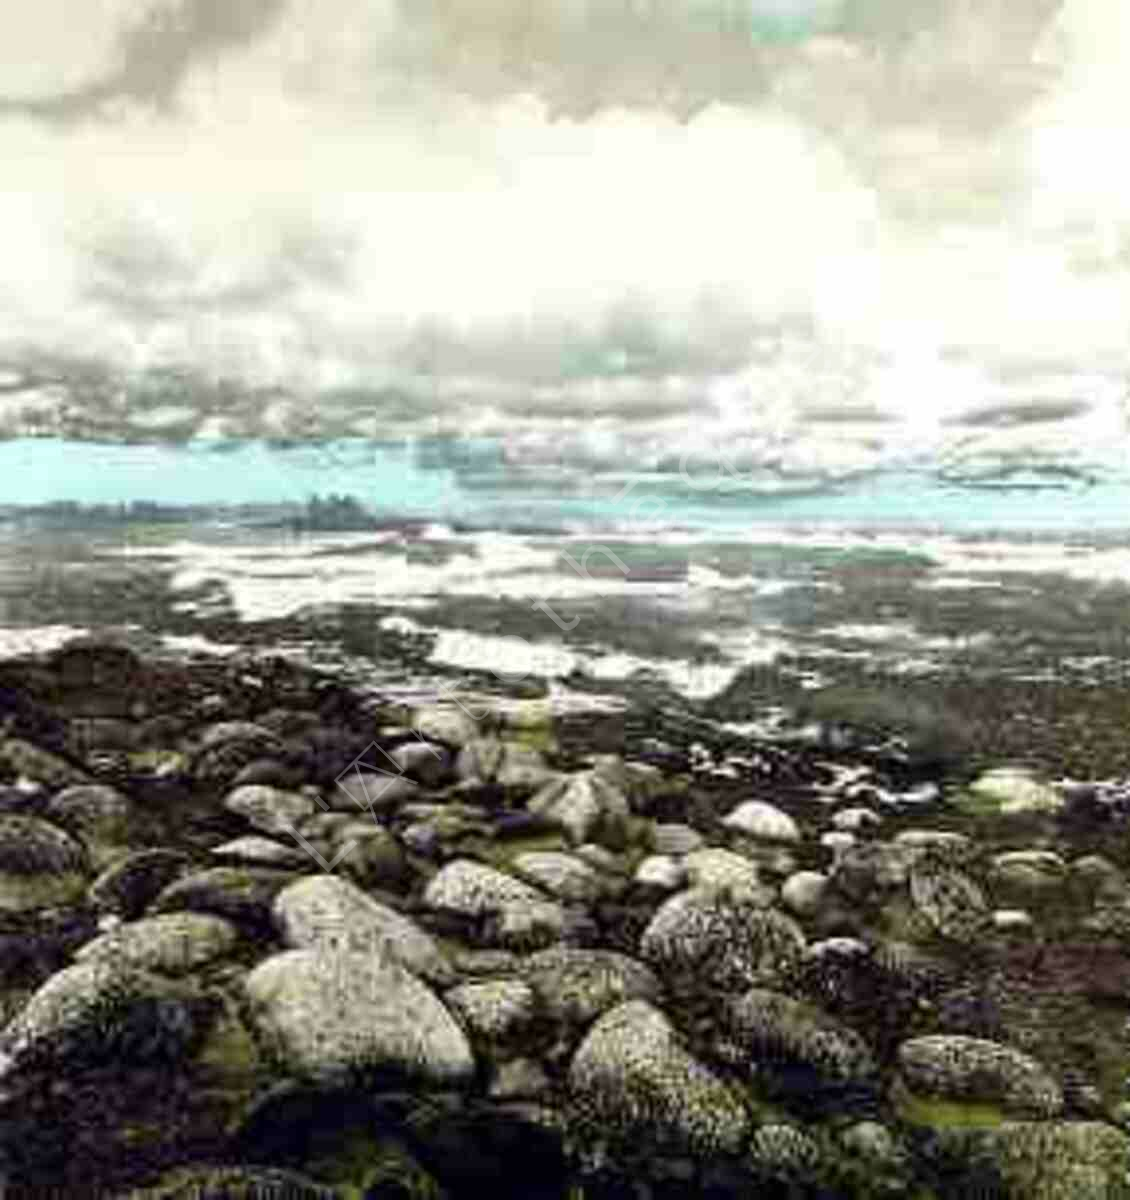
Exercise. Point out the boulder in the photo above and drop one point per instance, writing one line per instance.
(587, 808)
(563, 876)
(575, 986)
(347, 1017)
(794, 1044)
(497, 1013)
(94, 813)
(501, 911)
(973, 1070)
(97, 1012)
(632, 1082)
(727, 940)
(40, 865)
(323, 912)
(764, 822)
(269, 809)
(173, 944)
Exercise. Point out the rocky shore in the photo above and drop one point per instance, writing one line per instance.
(263, 935)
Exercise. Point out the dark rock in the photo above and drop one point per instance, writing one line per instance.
(130, 883)
(243, 895)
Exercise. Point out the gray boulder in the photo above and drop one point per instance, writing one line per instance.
(973, 1070)
(632, 1082)
(727, 940)
(95, 1012)
(173, 944)
(504, 912)
(344, 1017)
(323, 912)
(40, 865)
(575, 986)
(768, 1032)
(269, 809)
(587, 808)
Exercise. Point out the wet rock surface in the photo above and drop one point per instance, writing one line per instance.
(533, 967)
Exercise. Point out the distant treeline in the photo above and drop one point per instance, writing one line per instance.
(333, 512)
(72, 512)
(337, 513)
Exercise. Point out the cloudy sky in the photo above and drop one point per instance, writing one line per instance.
(566, 218)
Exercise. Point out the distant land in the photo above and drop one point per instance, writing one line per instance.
(331, 514)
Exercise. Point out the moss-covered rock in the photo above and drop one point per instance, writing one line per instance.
(171, 944)
(974, 1070)
(1040, 1161)
(632, 1083)
(793, 1046)
(323, 912)
(343, 1016)
(575, 986)
(723, 939)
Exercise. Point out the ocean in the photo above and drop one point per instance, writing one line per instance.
(887, 590)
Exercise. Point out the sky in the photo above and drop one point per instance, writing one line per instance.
(818, 232)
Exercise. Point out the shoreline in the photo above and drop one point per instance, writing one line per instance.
(622, 954)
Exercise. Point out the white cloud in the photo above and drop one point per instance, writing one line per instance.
(323, 196)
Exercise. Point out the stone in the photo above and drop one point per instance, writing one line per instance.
(769, 1033)
(447, 723)
(586, 807)
(224, 749)
(856, 820)
(948, 900)
(661, 873)
(1024, 877)
(837, 841)
(575, 986)
(242, 894)
(631, 1080)
(269, 809)
(519, 1079)
(269, 772)
(93, 813)
(375, 857)
(676, 840)
(531, 723)
(342, 1018)
(762, 821)
(496, 1013)
(363, 790)
(922, 838)
(428, 763)
(717, 868)
(561, 875)
(1011, 791)
(22, 760)
(785, 1156)
(1098, 880)
(600, 858)
(1043, 1160)
(40, 865)
(873, 871)
(1012, 920)
(803, 893)
(323, 912)
(97, 1012)
(172, 944)
(958, 1068)
(505, 764)
(726, 940)
(262, 851)
(509, 914)
(131, 882)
